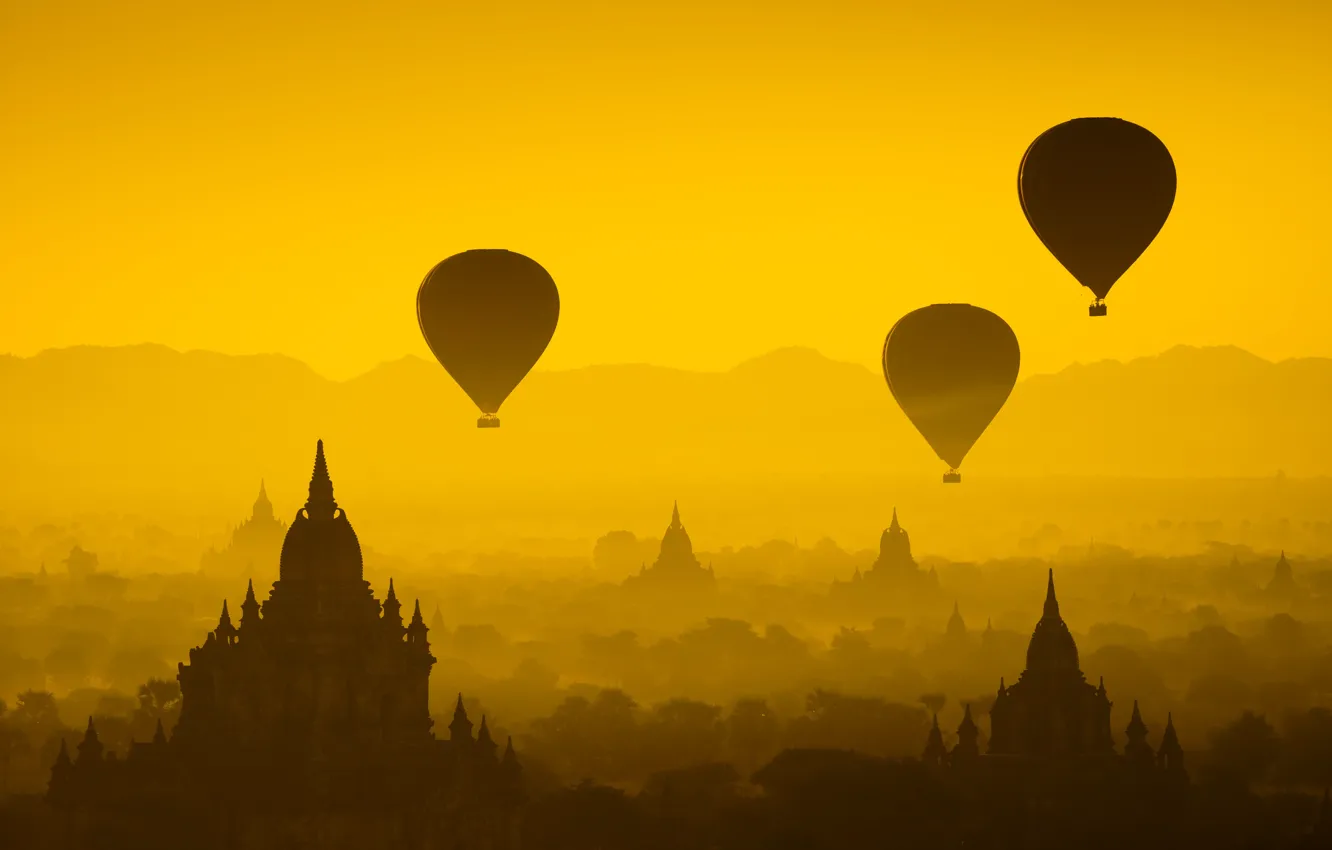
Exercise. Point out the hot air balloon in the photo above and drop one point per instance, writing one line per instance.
(951, 368)
(487, 316)
(1097, 191)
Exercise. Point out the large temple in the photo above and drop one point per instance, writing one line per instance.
(893, 582)
(676, 567)
(1053, 714)
(305, 724)
(254, 545)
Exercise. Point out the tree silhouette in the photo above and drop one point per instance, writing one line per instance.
(1244, 750)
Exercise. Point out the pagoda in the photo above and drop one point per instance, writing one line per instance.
(676, 567)
(306, 723)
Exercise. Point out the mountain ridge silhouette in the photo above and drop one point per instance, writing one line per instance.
(95, 420)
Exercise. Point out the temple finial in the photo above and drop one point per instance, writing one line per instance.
(893, 526)
(675, 514)
(320, 505)
(1051, 603)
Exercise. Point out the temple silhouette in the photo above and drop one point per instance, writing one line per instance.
(676, 567)
(1052, 714)
(894, 581)
(254, 545)
(306, 724)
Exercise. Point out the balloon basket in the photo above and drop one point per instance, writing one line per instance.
(952, 477)
(490, 420)
(1097, 309)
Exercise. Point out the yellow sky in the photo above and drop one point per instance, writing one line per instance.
(705, 180)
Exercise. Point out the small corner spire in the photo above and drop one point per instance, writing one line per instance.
(483, 734)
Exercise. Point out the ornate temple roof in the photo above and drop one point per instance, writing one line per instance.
(1052, 649)
(957, 627)
(263, 508)
(677, 550)
(320, 543)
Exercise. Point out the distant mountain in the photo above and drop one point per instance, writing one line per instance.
(96, 423)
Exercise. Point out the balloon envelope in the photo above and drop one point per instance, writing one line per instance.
(487, 316)
(1097, 191)
(951, 368)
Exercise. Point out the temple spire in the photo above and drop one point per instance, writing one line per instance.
(416, 629)
(1051, 603)
(968, 738)
(1137, 749)
(249, 609)
(1170, 756)
(511, 773)
(90, 750)
(893, 526)
(263, 508)
(392, 617)
(934, 746)
(320, 505)
(225, 631)
(484, 741)
(1136, 719)
(461, 728)
(957, 628)
(675, 515)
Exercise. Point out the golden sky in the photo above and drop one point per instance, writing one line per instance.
(705, 179)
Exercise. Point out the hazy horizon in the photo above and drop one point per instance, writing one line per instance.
(872, 364)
